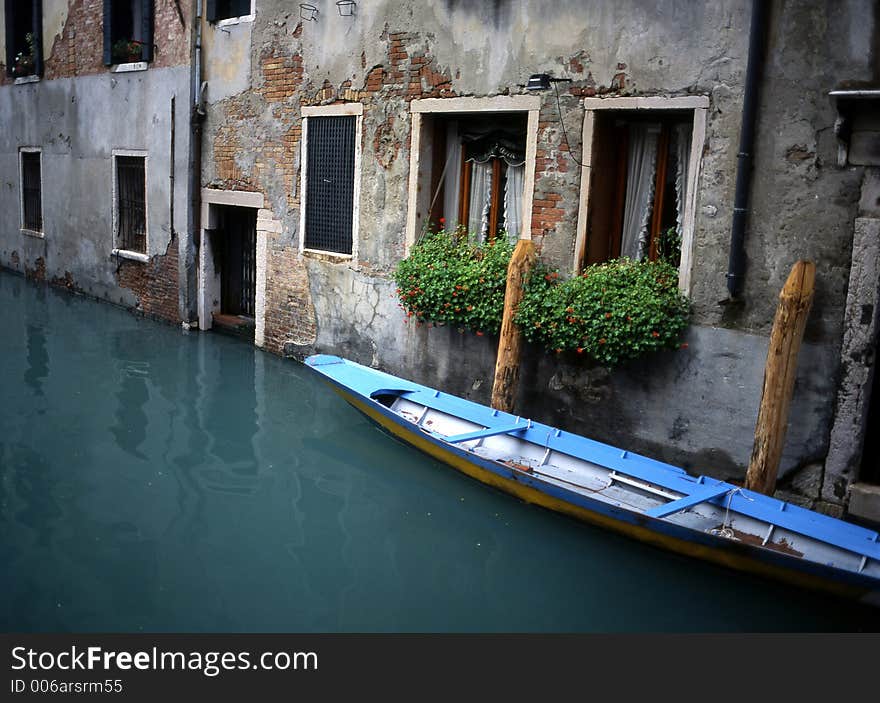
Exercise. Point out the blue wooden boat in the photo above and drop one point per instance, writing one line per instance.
(637, 496)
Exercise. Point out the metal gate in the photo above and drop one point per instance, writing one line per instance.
(238, 274)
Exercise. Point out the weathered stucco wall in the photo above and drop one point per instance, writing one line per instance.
(695, 406)
(83, 120)
(78, 114)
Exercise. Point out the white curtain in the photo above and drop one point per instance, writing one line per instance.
(683, 134)
(452, 177)
(513, 192)
(641, 166)
(480, 200)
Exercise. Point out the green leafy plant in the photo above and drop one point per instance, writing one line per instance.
(126, 50)
(24, 60)
(448, 281)
(669, 246)
(612, 312)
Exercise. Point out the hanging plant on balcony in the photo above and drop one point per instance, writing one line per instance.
(612, 312)
(446, 280)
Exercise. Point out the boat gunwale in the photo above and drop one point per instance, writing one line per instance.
(425, 395)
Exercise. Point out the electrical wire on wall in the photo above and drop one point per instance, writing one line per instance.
(562, 122)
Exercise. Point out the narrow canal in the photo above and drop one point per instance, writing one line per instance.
(157, 480)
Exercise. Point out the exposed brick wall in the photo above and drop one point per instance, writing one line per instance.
(249, 152)
(38, 272)
(79, 49)
(289, 312)
(155, 283)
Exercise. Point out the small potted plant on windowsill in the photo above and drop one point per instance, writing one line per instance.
(127, 51)
(24, 60)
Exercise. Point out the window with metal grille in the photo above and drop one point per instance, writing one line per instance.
(31, 196)
(330, 183)
(131, 220)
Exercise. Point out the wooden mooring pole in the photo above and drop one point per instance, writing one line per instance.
(506, 381)
(795, 301)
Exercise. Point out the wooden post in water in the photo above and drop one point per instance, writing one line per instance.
(507, 362)
(795, 301)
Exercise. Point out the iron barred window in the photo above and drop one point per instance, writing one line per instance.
(330, 184)
(31, 196)
(131, 232)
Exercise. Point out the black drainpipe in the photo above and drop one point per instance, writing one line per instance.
(757, 40)
(197, 116)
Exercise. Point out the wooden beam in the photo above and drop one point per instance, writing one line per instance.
(506, 381)
(795, 301)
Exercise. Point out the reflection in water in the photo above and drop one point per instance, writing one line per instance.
(228, 415)
(37, 359)
(188, 482)
(130, 426)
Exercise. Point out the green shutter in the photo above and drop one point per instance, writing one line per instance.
(37, 30)
(108, 29)
(147, 30)
(210, 11)
(10, 36)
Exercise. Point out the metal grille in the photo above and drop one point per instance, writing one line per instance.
(132, 224)
(239, 267)
(31, 197)
(330, 184)
(249, 271)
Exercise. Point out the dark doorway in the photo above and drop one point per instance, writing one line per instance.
(236, 242)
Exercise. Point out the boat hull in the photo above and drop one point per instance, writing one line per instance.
(657, 532)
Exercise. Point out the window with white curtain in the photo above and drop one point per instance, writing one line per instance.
(639, 185)
(477, 174)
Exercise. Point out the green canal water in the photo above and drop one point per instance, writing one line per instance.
(158, 480)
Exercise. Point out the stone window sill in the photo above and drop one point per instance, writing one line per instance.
(24, 80)
(128, 67)
(232, 21)
(327, 256)
(132, 255)
(32, 233)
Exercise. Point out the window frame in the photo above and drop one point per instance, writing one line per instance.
(698, 105)
(41, 233)
(36, 30)
(116, 250)
(355, 110)
(148, 23)
(529, 104)
(227, 21)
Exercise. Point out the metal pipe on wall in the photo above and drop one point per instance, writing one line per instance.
(190, 261)
(757, 41)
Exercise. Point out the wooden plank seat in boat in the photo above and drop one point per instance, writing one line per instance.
(688, 501)
(853, 538)
(477, 434)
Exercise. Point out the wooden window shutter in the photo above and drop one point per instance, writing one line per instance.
(108, 30)
(37, 30)
(147, 30)
(210, 11)
(9, 6)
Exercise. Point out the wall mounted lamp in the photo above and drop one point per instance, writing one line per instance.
(346, 7)
(308, 12)
(542, 81)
